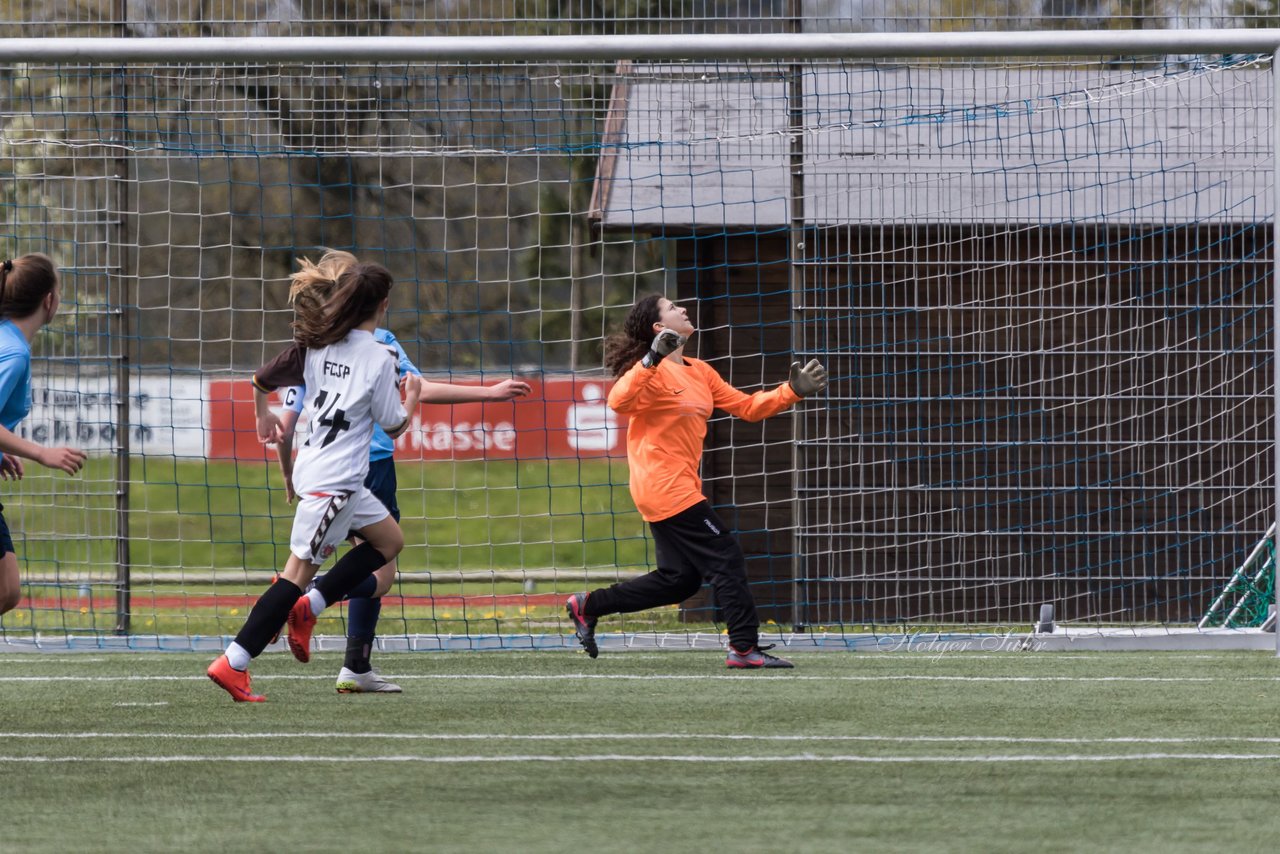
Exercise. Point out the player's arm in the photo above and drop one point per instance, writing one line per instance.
(293, 398)
(445, 393)
(387, 410)
(434, 392)
(68, 460)
(404, 365)
(285, 369)
(632, 392)
(11, 467)
(284, 451)
(412, 387)
(749, 407)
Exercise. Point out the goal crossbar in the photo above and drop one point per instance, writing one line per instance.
(639, 47)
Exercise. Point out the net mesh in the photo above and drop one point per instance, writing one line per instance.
(1042, 290)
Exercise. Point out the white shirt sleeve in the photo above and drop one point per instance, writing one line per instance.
(387, 410)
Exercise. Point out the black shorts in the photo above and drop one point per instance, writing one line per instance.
(6, 541)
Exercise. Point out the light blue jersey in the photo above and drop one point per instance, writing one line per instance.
(15, 375)
(382, 446)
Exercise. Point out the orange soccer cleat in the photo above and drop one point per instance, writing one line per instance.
(301, 622)
(234, 682)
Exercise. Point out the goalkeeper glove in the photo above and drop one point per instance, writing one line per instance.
(809, 379)
(666, 343)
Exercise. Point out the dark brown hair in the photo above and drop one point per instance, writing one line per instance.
(623, 349)
(24, 283)
(361, 290)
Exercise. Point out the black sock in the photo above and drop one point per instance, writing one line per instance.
(358, 651)
(354, 567)
(268, 616)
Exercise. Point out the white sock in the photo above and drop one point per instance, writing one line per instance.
(238, 656)
(317, 601)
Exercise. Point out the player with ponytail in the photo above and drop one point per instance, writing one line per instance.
(29, 298)
(310, 288)
(351, 388)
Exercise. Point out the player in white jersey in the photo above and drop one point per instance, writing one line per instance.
(351, 385)
(310, 287)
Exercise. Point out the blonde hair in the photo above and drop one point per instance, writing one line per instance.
(311, 287)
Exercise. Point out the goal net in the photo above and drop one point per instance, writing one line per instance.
(1042, 289)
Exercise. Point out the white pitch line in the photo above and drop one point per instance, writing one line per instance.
(161, 703)
(741, 678)
(920, 657)
(37, 658)
(631, 736)
(685, 759)
(1054, 657)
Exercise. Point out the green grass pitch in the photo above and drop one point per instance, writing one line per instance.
(662, 752)
(196, 526)
(191, 515)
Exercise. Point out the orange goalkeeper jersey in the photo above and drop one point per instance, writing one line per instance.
(669, 406)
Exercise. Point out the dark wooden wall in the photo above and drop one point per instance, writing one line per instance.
(1080, 415)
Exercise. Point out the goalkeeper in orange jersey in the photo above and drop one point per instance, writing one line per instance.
(669, 397)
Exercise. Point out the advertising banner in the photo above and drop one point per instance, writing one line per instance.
(564, 418)
(167, 414)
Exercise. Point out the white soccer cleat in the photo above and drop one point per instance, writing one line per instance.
(364, 683)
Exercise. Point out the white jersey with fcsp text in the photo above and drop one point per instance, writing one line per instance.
(350, 385)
